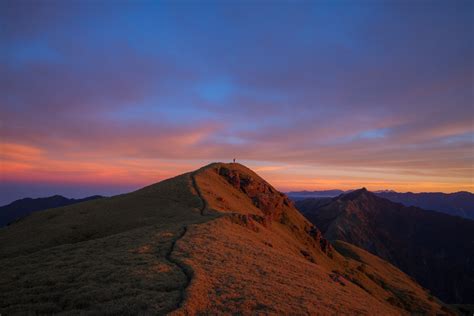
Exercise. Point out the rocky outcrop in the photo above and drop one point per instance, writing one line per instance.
(263, 196)
(324, 244)
(271, 202)
(251, 220)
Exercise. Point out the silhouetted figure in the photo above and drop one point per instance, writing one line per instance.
(234, 160)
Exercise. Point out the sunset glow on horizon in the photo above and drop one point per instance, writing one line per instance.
(102, 97)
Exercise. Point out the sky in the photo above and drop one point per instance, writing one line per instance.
(104, 97)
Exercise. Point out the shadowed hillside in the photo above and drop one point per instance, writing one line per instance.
(219, 240)
(113, 255)
(435, 248)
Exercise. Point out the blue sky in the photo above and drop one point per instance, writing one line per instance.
(335, 88)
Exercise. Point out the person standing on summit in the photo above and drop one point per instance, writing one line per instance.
(234, 160)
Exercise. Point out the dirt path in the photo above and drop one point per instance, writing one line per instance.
(186, 271)
(198, 191)
(181, 266)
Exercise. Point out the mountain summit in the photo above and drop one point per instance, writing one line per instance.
(217, 240)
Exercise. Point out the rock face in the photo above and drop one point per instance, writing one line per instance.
(434, 248)
(263, 196)
(323, 243)
(270, 201)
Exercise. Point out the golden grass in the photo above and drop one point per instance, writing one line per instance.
(243, 266)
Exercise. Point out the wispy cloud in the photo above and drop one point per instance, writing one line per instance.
(311, 95)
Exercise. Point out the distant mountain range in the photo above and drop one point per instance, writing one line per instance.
(434, 248)
(299, 195)
(23, 207)
(457, 204)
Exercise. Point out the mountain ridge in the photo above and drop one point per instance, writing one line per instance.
(408, 237)
(201, 242)
(457, 204)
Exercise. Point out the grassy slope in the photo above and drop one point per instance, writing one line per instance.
(372, 272)
(110, 255)
(124, 255)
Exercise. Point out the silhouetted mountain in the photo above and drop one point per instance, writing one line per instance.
(459, 203)
(435, 248)
(311, 203)
(299, 195)
(220, 240)
(23, 207)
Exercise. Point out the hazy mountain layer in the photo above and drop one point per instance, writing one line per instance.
(21, 208)
(456, 204)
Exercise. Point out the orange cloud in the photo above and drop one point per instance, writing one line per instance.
(24, 163)
(18, 152)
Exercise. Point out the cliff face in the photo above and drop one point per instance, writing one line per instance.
(263, 195)
(268, 205)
